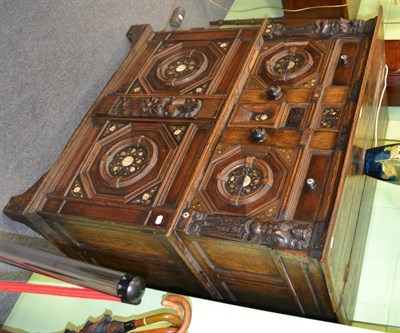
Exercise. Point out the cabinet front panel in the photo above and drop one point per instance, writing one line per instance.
(130, 170)
(202, 62)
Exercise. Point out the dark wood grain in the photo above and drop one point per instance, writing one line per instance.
(216, 162)
(392, 53)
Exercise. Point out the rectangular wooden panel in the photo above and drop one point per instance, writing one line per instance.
(346, 63)
(257, 114)
(114, 240)
(131, 107)
(226, 258)
(313, 188)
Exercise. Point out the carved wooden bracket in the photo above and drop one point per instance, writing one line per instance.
(280, 235)
(166, 107)
(320, 28)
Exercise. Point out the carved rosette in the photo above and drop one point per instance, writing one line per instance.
(279, 235)
(163, 107)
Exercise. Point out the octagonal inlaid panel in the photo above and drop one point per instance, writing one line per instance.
(288, 63)
(127, 162)
(243, 182)
(183, 67)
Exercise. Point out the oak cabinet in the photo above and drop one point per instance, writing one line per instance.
(217, 163)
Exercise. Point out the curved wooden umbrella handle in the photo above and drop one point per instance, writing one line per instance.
(175, 320)
(162, 330)
(179, 303)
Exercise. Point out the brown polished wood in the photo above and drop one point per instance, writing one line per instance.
(222, 163)
(392, 52)
(330, 9)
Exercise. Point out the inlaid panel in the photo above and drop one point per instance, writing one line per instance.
(288, 63)
(129, 170)
(243, 181)
(202, 62)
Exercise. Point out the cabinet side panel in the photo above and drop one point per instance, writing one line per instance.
(343, 238)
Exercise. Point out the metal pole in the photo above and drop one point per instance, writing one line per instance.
(127, 287)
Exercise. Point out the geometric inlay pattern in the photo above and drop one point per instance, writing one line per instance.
(224, 45)
(330, 117)
(145, 198)
(181, 67)
(128, 161)
(111, 128)
(243, 180)
(289, 64)
(178, 132)
(136, 88)
(309, 84)
(256, 116)
(76, 190)
(240, 181)
(200, 89)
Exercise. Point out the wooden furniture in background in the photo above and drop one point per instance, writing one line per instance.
(337, 10)
(392, 52)
(223, 164)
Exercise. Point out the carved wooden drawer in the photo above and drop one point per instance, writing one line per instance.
(217, 163)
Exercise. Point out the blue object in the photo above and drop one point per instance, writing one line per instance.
(383, 163)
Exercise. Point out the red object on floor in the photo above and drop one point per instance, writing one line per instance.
(21, 287)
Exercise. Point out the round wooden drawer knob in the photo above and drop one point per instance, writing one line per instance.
(258, 134)
(274, 92)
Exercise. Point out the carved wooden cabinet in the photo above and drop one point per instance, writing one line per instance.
(217, 163)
